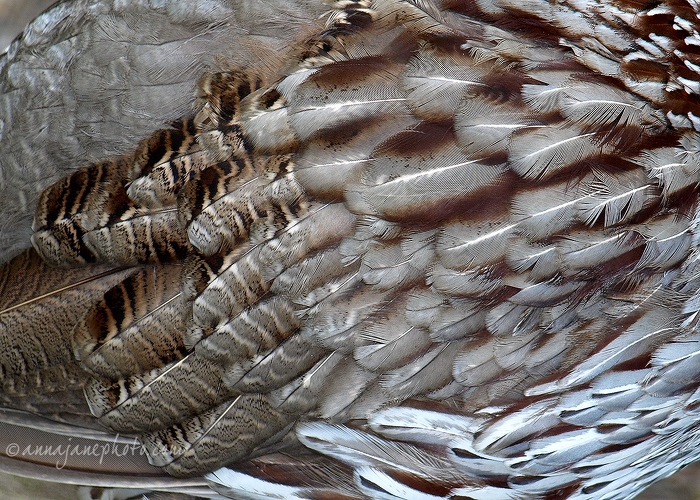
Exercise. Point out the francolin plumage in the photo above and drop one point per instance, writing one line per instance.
(424, 249)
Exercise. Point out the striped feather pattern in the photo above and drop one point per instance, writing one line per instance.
(433, 250)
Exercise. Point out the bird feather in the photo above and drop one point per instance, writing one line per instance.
(542, 152)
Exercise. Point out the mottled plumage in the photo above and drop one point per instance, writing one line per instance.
(430, 249)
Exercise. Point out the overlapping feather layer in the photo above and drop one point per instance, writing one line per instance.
(447, 252)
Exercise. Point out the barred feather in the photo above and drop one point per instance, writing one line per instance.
(391, 249)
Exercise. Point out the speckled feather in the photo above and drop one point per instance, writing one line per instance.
(436, 250)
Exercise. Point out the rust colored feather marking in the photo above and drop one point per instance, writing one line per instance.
(463, 233)
(63, 212)
(345, 22)
(38, 309)
(163, 145)
(220, 96)
(122, 333)
(234, 208)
